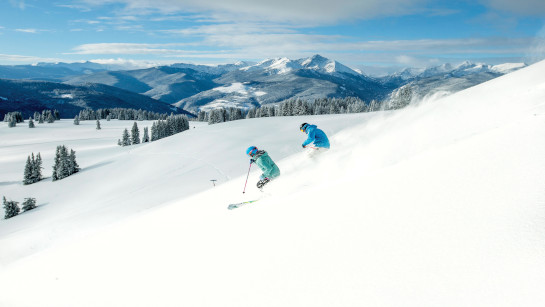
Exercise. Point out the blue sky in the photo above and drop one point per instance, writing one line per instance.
(373, 35)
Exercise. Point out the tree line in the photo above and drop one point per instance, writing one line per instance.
(293, 107)
(121, 114)
(49, 116)
(173, 124)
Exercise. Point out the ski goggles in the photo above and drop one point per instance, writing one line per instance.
(252, 152)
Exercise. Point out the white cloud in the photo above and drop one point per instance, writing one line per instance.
(123, 48)
(131, 63)
(229, 48)
(82, 8)
(28, 30)
(87, 21)
(301, 11)
(13, 58)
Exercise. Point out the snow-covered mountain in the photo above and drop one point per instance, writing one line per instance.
(445, 70)
(243, 84)
(28, 96)
(200, 86)
(56, 72)
(437, 204)
(165, 83)
(213, 69)
(316, 63)
(415, 85)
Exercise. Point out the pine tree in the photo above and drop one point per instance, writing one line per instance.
(27, 177)
(216, 116)
(65, 164)
(251, 113)
(37, 169)
(400, 98)
(33, 172)
(11, 208)
(50, 118)
(29, 204)
(12, 122)
(374, 106)
(145, 138)
(64, 169)
(30, 123)
(98, 124)
(135, 134)
(154, 132)
(201, 116)
(76, 120)
(56, 165)
(126, 140)
(72, 164)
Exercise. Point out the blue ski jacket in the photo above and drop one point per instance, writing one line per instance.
(316, 137)
(266, 164)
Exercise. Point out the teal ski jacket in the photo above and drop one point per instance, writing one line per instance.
(266, 164)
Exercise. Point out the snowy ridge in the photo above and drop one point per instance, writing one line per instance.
(213, 69)
(507, 67)
(463, 69)
(413, 207)
(316, 62)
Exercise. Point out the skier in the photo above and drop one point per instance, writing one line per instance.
(265, 163)
(316, 141)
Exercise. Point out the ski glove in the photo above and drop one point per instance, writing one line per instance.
(252, 161)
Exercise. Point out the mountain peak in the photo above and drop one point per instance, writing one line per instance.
(315, 61)
(323, 64)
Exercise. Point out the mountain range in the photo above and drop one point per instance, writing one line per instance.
(244, 84)
(29, 96)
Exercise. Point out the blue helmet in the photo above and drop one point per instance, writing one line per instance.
(251, 151)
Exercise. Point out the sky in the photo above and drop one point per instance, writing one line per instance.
(372, 35)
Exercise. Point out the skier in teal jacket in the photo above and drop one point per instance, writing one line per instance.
(265, 163)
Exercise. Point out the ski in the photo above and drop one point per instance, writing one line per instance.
(234, 206)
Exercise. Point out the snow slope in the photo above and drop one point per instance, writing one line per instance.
(438, 204)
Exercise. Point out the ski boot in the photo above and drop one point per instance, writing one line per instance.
(262, 182)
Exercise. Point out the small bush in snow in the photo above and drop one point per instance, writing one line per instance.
(29, 204)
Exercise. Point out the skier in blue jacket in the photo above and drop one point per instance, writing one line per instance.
(265, 163)
(316, 141)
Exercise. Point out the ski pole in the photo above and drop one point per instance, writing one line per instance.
(244, 191)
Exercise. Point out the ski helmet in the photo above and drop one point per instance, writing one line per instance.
(251, 151)
(303, 127)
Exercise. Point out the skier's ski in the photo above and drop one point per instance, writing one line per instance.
(234, 206)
